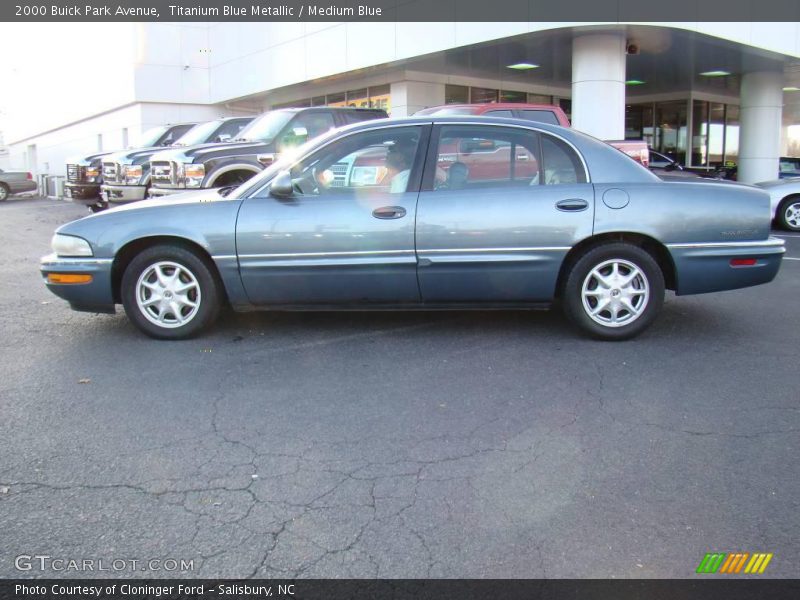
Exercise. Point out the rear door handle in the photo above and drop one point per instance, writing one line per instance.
(389, 212)
(572, 204)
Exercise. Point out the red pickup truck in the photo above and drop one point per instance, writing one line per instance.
(541, 113)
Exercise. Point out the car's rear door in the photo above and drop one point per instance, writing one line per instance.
(347, 233)
(500, 234)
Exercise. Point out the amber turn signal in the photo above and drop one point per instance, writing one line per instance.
(68, 278)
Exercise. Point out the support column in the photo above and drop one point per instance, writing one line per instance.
(410, 96)
(598, 85)
(760, 113)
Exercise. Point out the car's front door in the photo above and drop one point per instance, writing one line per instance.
(346, 235)
(499, 209)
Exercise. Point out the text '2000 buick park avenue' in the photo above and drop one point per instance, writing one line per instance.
(427, 212)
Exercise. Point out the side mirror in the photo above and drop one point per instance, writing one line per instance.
(281, 186)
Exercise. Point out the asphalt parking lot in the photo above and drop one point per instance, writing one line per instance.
(474, 444)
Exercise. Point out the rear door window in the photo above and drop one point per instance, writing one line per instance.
(540, 116)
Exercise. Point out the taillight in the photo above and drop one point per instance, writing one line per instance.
(29, 175)
(743, 262)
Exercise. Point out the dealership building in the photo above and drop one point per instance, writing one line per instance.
(705, 93)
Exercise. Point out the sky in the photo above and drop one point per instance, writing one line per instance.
(51, 73)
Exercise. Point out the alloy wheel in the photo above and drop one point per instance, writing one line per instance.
(168, 294)
(615, 293)
(791, 215)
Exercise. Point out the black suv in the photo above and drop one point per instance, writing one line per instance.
(85, 176)
(126, 174)
(258, 144)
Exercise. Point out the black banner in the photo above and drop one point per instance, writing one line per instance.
(402, 10)
(405, 589)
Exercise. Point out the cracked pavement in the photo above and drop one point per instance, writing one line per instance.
(442, 444)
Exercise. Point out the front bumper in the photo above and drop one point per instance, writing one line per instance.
(158, 192)
(96, 296)
(82, 193)
(120, 194)
(706, 267)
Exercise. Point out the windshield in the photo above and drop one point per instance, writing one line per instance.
(198, 134)
(266, 127)
(150, 137)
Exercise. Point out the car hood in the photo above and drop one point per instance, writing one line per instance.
(197, 153)
(85, 161)
(133, 155)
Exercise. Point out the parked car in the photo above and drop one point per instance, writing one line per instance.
(788, 167)
(784, 195)
(539, 113)
(379, 216)
(127, 175)
(258, 145)
(85, 173)
(15, 182)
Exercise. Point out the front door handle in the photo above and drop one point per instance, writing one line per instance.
(572, 204)
(389, 212)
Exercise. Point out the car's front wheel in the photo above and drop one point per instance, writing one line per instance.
(789, 213)
(169, 292)
(614, 291)
(4, 192)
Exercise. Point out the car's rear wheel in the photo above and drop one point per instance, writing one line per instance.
(4, 192)
(170, 293)
(614, 291)
(789, 213)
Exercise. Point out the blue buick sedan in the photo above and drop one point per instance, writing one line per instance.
(420, 213)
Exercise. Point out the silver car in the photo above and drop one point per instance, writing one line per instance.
(784, 195)
(15, 182)
(420, 213)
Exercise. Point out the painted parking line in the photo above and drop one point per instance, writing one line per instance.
(790, 258)
(785, 236)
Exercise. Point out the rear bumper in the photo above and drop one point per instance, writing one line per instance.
(20, 187)
(96, 296)
(82, 193)
(706, 267)
(120, 194)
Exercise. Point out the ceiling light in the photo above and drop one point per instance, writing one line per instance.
(523, 66)
(635, 82)
(715, 73)
(791, 88)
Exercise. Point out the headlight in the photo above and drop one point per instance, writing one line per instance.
(69, 245)
(193, 174)
(133, 173)
(92, 171)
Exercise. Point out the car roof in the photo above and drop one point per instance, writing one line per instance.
(479, 108)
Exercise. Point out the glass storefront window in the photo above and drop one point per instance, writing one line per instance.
(731, 135)
(358, 98)
(380, 96)
(482, 95)
(510, 96)
(699, 134)
(539, 99)
(670, 129)
(456, 94)
(716, 133)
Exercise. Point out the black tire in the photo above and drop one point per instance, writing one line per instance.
(205, 292)
(645, 292)
(783, 208)
(5, 192)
